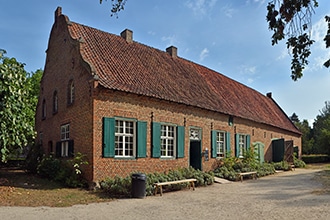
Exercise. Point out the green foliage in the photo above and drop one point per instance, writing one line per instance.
(232, 166)
(294, 19)
(17, 107)
(33, 158)
(118, 186)
(321, 131)
(316, 158)
(307, 139)
(67, 172)
(283, 165)
(117, 6)
(299, 163)
(121, 187)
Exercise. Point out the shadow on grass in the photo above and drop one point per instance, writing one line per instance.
(16, 177)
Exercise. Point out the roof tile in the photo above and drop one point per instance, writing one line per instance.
(143, 70)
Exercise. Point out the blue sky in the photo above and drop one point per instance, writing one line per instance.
(230, 37)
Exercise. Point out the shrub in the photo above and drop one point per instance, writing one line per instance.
(67, 172)
(121, 187)
(232, 166)
(316, 158)
(299, 163)
(33, 158)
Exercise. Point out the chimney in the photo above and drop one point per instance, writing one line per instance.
(58, 13)
(173, 51)
(127, 35)
(269, 95)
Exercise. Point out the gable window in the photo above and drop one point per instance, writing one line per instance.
(124, 138)
(64, 148)
(242, 144)
(55, 102)
(220, 143)
(167, 140)
(71, 92)
(44, 109)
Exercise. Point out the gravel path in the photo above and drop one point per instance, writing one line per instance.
(288, 195)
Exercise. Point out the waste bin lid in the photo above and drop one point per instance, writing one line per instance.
(140, 176)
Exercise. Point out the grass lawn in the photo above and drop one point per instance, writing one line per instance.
(18, 188)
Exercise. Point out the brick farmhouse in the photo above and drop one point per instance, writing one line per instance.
(129, 107)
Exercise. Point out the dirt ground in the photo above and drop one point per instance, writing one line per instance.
(288, 195)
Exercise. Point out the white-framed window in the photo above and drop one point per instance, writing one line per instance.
(241, 145)
(168, 140)
(65, 137)
(125, 132)
(221, 144)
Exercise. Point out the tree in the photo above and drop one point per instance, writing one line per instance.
(17, 105)
(321, 129)
(294, 118)
(291, 18)
(117, 6)
(307, 140)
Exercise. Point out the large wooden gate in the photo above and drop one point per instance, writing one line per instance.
(288, 151)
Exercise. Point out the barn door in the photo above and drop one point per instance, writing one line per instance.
(278, 150)
(288, 151)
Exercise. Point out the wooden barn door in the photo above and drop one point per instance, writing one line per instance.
(288, 151)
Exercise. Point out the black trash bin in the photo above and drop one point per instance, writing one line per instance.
(138, 185)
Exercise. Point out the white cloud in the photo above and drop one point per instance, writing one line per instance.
(228, 11)
(170, 39)
(151, 33)
(203, 54)
(248, 69)
(283, 54)
(201, 7)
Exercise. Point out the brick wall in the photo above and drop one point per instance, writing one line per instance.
(63, 64)
(121, 104)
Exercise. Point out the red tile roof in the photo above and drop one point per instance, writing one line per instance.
(140, 69)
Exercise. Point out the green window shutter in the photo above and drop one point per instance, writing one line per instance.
(180, 141)
(228, 150)
(214, 143)
(58, 149)
(108, 137)
(141, 139)
(248, 138)
(156, 139)
(237, 145)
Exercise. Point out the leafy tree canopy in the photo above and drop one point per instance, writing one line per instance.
(18, 100)
(321, 129)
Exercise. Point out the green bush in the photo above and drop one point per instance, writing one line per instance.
(299, 163)
(232, 166)
(316, 158)
(67, 172)
(33, 158)
(121, 187)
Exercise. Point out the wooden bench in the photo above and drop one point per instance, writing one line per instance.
(253, 173)
(159, 185)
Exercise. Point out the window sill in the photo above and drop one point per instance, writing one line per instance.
(167, 158)
(124, 158)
